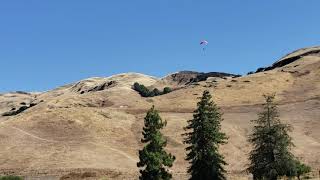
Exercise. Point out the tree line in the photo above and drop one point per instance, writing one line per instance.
(270, 157)
(145, 92)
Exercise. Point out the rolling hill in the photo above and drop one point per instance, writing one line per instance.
(92, 128)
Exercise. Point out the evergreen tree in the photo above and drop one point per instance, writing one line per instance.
(153, 158)
(270, 157)
(204, 137)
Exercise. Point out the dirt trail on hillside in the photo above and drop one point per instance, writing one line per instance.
(96, 144)
(32, 135)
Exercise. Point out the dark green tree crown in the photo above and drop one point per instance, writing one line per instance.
(153, 157)
(204, 137)
(271, 156)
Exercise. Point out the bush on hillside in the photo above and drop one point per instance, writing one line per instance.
(15, 112)
(167, 90)
(156, 92)
(145, 92)
(10, 178)
(301, 169)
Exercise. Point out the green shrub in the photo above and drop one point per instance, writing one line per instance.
(302, 169)
(11, 178)
(156, 92)
(167, 90)
(15, 112)
(145, 92)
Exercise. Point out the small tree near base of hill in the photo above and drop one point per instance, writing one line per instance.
(153, 158)
(270, 157)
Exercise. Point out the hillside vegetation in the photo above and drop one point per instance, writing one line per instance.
(92, 128)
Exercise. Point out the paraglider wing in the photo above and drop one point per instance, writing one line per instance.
(204, 42)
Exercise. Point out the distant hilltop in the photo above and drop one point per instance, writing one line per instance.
(92, 128)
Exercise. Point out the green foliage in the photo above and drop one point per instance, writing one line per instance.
(271, 156)
(301, 169)
(153, 158)
(15, 112)
(204, 137)
(167, 90)
(145, 92)
(10, 178)
(156, 92)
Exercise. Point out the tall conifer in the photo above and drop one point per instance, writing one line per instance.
(271, 156)
(204, 137)
(153, 158)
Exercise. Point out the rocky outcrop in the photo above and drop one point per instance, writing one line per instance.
(292, 57)
(92, 86)
(102, 86)
(15, 111)
(205, 76)
(182, 77)
(187, 77)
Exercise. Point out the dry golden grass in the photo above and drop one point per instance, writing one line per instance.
(99, 132)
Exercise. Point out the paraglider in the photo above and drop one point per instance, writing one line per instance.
(204, 44)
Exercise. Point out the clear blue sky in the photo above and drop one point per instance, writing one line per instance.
(48, 43)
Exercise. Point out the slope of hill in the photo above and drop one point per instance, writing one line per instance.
(92, 128)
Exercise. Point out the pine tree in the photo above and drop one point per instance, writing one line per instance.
(271, 156)
(153, 158)
(204, 137)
